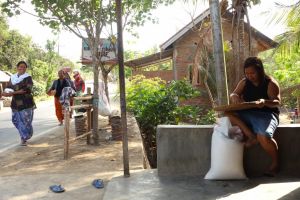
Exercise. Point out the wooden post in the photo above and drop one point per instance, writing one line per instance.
(1, 90)
(88, 137)
(89, 119)
(67, 132)
(122, 88)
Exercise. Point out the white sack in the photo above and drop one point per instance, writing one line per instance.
(103, 104)
(226, 154)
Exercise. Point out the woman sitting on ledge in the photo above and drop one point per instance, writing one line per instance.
(258, 124)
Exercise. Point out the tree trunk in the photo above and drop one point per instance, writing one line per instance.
(241, 48)
(95, 97)
(218, 52)
(298, 103)
(122, 88)
(105, 77)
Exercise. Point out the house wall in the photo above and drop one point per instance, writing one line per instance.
(166, 75)
(186, 50)
(185, 54)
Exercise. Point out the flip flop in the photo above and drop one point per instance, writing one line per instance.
(98, 183)
(56, 188)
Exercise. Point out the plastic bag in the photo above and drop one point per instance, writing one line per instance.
(103, 104)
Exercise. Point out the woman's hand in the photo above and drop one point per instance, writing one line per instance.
(235, 98)
(260, 103)
(51, 92)
(19, 92)
(5, 94)
(10, 94)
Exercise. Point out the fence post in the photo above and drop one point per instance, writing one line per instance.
(67, 132)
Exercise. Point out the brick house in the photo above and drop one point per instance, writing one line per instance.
(184, 50)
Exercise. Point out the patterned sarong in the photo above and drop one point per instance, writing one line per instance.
(23, 122)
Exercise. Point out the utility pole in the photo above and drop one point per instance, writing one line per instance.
(218, 52)
(122, 88)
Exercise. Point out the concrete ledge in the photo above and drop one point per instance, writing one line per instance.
(185, 150)
(147, 185)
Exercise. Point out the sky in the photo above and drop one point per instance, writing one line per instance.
(171, 19)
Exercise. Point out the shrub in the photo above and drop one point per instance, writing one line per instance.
(154, 102)
(38, 89)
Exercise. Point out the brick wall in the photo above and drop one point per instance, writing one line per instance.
(166, 75)
(186, 49)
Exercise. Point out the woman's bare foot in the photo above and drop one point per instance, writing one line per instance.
(273, 170)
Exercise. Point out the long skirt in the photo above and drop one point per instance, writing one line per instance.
(58, 109)
(23, 122)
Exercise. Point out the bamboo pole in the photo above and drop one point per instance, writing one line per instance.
(83, 98)
(81, 136)
(67, 133)
(81, 106)
(122, 88)
(88, 138)
(89, 119)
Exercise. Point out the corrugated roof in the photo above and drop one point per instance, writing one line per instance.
(168, 44)
(150, 59)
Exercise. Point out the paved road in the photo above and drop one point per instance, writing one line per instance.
(44, 121)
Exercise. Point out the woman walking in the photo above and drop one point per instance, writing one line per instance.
(56, 90)
(22, 104)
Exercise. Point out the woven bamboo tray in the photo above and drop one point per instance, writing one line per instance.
(239, 106)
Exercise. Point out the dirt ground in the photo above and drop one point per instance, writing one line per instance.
(27, 172)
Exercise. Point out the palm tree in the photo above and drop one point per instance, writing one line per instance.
(289, 41)
(240, 11)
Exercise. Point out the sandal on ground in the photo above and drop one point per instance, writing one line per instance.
(56, 188)
(98, 183)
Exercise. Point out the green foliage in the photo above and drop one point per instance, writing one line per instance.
(289, 41)
(38, 89)
(195, 115)
(154, 102)
(89, 19)
(14, 48)
(285, 68)
(43, 65)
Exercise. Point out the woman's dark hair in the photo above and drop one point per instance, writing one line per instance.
(256, 63)
(22, 62)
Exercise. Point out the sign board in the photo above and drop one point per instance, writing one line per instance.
(106, 49)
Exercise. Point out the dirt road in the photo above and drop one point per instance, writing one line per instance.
(27, 172)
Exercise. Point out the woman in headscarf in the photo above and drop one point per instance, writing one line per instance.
(56, 90)
(79, 82)
(22, 104)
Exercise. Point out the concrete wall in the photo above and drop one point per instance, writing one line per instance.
(185, 150)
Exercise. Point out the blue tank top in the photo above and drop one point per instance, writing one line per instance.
(254, 93)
